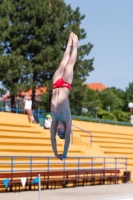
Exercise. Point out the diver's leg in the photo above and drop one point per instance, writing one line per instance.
(59, 72)
(68, 72)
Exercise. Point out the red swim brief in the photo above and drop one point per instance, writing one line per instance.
(61, 83)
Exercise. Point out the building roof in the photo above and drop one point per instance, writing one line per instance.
(96, 86)
(38, 92)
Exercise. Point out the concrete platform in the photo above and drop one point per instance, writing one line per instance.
(104, 192)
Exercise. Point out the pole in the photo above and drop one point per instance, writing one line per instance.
(39, 186)
(72, 137)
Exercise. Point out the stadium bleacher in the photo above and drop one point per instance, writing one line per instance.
(20, 138)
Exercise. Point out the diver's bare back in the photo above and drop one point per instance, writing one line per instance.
(60, 105)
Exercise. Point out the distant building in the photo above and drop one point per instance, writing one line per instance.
(96, 86)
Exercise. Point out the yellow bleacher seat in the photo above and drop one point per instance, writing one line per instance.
(21, 138)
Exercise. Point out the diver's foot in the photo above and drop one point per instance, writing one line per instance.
(75, 40)
(70, 40)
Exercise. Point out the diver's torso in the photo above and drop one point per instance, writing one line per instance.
(60, 104)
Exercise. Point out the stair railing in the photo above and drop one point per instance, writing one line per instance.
(83, 131)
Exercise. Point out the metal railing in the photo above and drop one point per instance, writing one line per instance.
(37, 113)
(81, 118)
(18, 110)
(85, 132)
(50, 163)
(97, 120)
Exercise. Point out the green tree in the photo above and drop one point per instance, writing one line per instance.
(91, 99)
(34, 36)
(121, 95)
(11, 74)
(103, 114)
(128, 96)
(2, 92)
(109, 98)
(122, 116)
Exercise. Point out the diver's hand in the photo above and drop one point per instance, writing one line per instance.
(62, 156)
(58, 156)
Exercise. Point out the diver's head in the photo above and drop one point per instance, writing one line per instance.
(61, 129)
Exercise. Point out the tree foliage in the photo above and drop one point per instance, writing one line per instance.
(33, 38)
(110, 99)
(114, 98)
(91, 98)
(128, 96)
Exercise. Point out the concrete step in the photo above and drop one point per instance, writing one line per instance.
(109, 134)
(112, 140)
(13, 117)
(25, 135)
(20, 124)
(25, 141)
(26, 148)
(35, 148)
(37, 153)
(19, 129)
(102, 128)
(116, 146)
(113, 136)
(117, 151)
(34, 129)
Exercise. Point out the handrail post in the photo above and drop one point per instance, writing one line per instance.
(92, 163)
(78, 163)
(12, 164)
(104, 163)
(115, 163)
(126, 163)
(48, 163)
(30, 163)
(64, 164)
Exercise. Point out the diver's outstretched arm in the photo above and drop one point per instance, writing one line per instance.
(53, 139)
(67, 140)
